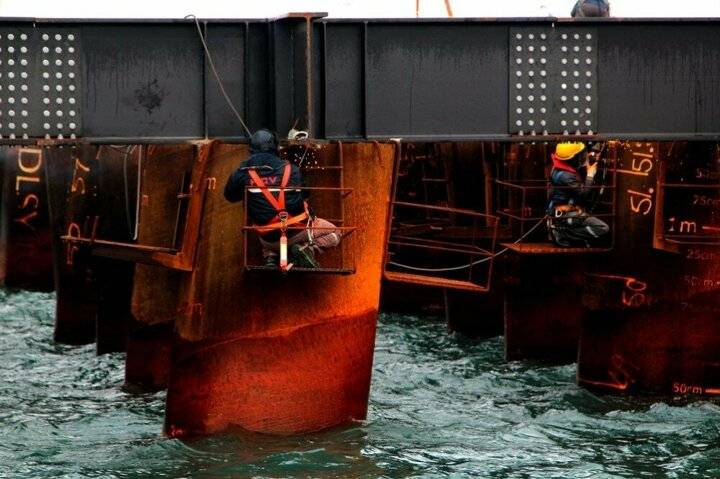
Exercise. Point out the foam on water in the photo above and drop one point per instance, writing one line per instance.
(441, 405)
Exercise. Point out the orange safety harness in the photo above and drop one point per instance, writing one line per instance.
(281, 220)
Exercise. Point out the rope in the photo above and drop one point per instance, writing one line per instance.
(217, 75)
(302, 158)
(469, 265)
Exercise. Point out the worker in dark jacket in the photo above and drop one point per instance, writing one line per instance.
(591, 8)
(570, 223)
(270, 204)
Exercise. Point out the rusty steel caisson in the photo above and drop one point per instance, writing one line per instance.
(25, 236)
(265, 351)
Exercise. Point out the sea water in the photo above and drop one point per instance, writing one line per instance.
(441, 405)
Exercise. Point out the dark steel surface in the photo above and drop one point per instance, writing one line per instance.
(344, 81)
(142, 80)
(437, 79)
(430, 79)
(230, 52)
(657, 78)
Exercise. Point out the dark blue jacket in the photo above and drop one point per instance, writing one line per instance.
(572, 186)
(260, 211)
(591, 8)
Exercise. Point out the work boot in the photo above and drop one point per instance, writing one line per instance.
(303, 256)
(271, 261)
(558, 239)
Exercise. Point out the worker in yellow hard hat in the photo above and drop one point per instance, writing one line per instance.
(571, 178)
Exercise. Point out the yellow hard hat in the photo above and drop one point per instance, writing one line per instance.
(566, 151)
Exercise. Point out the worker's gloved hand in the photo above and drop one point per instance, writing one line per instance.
(565, 208)
(592, 169)
(569, 211)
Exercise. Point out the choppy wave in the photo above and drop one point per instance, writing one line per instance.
(441, 406)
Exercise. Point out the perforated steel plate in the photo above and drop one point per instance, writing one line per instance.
(553, 81)
(39, 83)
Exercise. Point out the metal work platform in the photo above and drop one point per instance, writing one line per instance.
(425, 280)
(140, 81)
(273, 270)
(549, 248)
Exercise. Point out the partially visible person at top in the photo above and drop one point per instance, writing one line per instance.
(269, 205)
(591, 8)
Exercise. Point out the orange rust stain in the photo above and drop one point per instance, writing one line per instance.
(313, 377)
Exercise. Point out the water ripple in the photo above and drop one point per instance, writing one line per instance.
(441, 406)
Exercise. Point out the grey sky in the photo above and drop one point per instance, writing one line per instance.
(343, 8)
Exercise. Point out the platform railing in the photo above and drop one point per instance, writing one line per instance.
(458, 254)
(181, 256)
(338, 260)
(526, 203)
(533, 212)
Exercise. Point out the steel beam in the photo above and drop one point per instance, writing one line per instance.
(125, 81)
(456, 79)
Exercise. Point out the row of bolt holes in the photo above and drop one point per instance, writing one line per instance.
(46, 88)
(564, 36)
(45, 62)
(562, 122)
(24, 126)
(58, 37)
(46, 113)
(564, 98)
(563, 86)
(45, 37)
(545, 133)
(543, 73)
